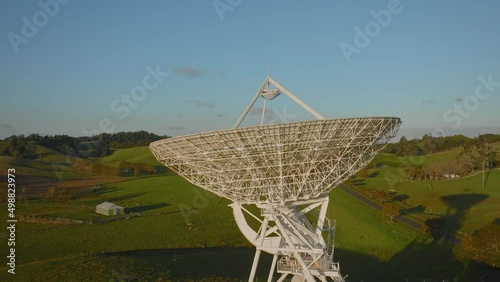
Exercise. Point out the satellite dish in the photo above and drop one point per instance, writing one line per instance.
(287, 171)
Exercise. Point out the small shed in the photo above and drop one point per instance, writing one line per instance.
(108, 208)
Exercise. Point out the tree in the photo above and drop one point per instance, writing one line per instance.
(487, 157)
(370, 193)
(20, 147)
(63, 195)
(417, 173)
(82, 166)
(478, 155)
(51, 194)
(363, 173)
(484, 244)
(391, 210)
(381, 196)
(126, 165)
(137, 170)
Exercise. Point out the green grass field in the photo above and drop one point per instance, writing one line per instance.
(179, 216)
(209, 224)
(144, 195)
(431, 195)
(363, 234)
(134, 155)
(366, 229)
(392, 161)
(48, 164)
(56, 165)
(169, 194)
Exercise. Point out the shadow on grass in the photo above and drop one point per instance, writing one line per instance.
(458, 206)
(427, 257)
(418, 261)
(115, 199)
(126, 197)
(408, 211)
(199, 264)
(358, 182)
(102, 191)
(497, 221)
(145, 208)
(400, 198)
(95, 192)
(434, 256)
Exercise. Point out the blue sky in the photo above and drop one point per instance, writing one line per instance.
(68, 76)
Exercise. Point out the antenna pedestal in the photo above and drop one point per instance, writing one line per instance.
(302, 248)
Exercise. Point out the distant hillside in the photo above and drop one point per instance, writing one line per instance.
(410, 161)
(52, 164)
(47, 163)
(135, 155)
(101, 145)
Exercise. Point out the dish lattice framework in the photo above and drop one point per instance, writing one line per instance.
(287, 171)
(277, 163)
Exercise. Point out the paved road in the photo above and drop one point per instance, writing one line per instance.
(372, 204)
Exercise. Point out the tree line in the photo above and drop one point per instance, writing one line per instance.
(477, 154)
(429, 144)
(21, 146)
(125, 168)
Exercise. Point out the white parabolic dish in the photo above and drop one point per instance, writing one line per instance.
(287, 171)
(277, 163)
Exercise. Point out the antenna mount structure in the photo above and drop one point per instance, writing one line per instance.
(285, 170)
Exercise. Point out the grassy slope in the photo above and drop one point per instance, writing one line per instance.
(56, 165)
(361, 230)
(48, 164)
(5, 163)
(478, 215)
(172, 193)
(428, 193)
(142, 195)
(134, 155)
(393, 161)
(412, 161)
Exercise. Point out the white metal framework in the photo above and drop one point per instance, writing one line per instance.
(286, 170)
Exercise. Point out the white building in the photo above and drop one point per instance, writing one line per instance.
(108, 208)
(451, 175)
